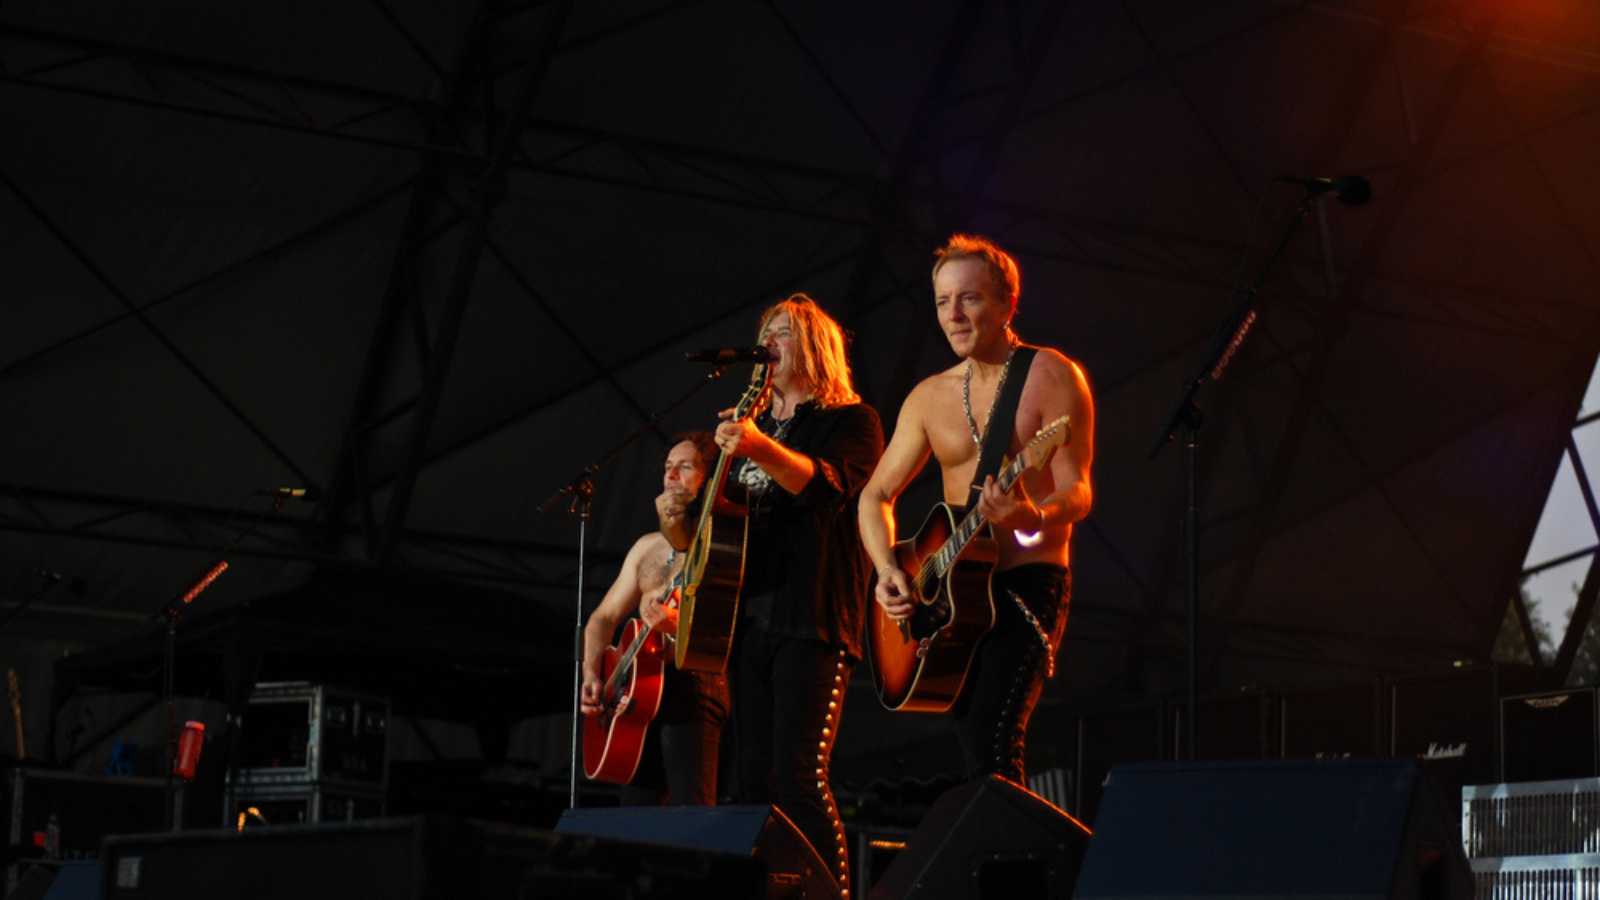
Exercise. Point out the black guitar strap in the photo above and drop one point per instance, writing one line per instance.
(1003, 421)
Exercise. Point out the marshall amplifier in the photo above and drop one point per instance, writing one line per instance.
(1549, 736)
(1447, 720)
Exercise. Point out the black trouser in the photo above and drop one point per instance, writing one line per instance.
(1009, 668)
(678, 765)
(788, 694)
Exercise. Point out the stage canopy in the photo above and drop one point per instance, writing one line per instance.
(433, 259)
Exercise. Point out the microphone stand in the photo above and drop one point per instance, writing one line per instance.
(1188, 417)
(170, 614)
(580, 502)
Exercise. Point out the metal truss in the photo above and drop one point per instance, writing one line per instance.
(430, 346)
(277, 535)
(467, 148)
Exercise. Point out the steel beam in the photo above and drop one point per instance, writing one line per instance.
(490, 189)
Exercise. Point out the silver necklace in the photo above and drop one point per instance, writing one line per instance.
(966, 397)
(666, 571)
(752, 476)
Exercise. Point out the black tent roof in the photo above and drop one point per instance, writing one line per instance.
(432, 259)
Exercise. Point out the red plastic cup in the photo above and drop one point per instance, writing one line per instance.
(190, 743)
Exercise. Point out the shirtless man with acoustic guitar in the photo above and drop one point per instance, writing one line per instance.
(976, 286)
(679, 762)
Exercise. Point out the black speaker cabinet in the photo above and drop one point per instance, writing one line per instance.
(1549, 736)
(1448, 719)
(85, 808)
(1328, 829)
(793, 867)
(430, 858)
(990, 838)
(1331, 723)
(77, 879)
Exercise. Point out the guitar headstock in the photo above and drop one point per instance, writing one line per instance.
(754, 393)
(1044, 442)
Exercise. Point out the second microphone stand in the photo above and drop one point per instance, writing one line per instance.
(170, 615)
(1188, 418)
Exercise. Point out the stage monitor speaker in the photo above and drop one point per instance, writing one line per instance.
(430, 858)
(794, 868)
(1109, 737)
(76, 879)
(1348, 829)
(990, 838)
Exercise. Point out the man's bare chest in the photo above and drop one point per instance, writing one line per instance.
(656, 566)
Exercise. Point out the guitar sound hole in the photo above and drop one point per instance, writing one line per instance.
(929, 617)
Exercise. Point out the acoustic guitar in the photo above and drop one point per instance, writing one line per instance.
(713, 567)
(630, 694)
(919, 663)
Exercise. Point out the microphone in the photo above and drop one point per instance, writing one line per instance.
(308, 494)
(727, 356)
(1352, 190)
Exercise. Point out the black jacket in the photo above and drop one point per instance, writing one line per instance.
(806, 574)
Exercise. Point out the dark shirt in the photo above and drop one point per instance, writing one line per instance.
(806, 574)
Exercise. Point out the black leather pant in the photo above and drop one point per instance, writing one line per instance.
(1008, 671)
(788, 695)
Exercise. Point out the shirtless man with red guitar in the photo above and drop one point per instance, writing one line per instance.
(976, 286)
(679, 754)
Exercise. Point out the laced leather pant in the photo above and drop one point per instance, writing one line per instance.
(1009, 669)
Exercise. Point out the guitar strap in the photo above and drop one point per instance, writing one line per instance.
(1002, 422)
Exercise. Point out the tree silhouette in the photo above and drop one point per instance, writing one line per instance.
(1510, 645)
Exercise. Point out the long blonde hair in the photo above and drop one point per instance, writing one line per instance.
(819, 342)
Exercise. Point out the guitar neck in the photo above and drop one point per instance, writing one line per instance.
(719, 477)
(973, 521)
(625, 661)
(712, 490)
